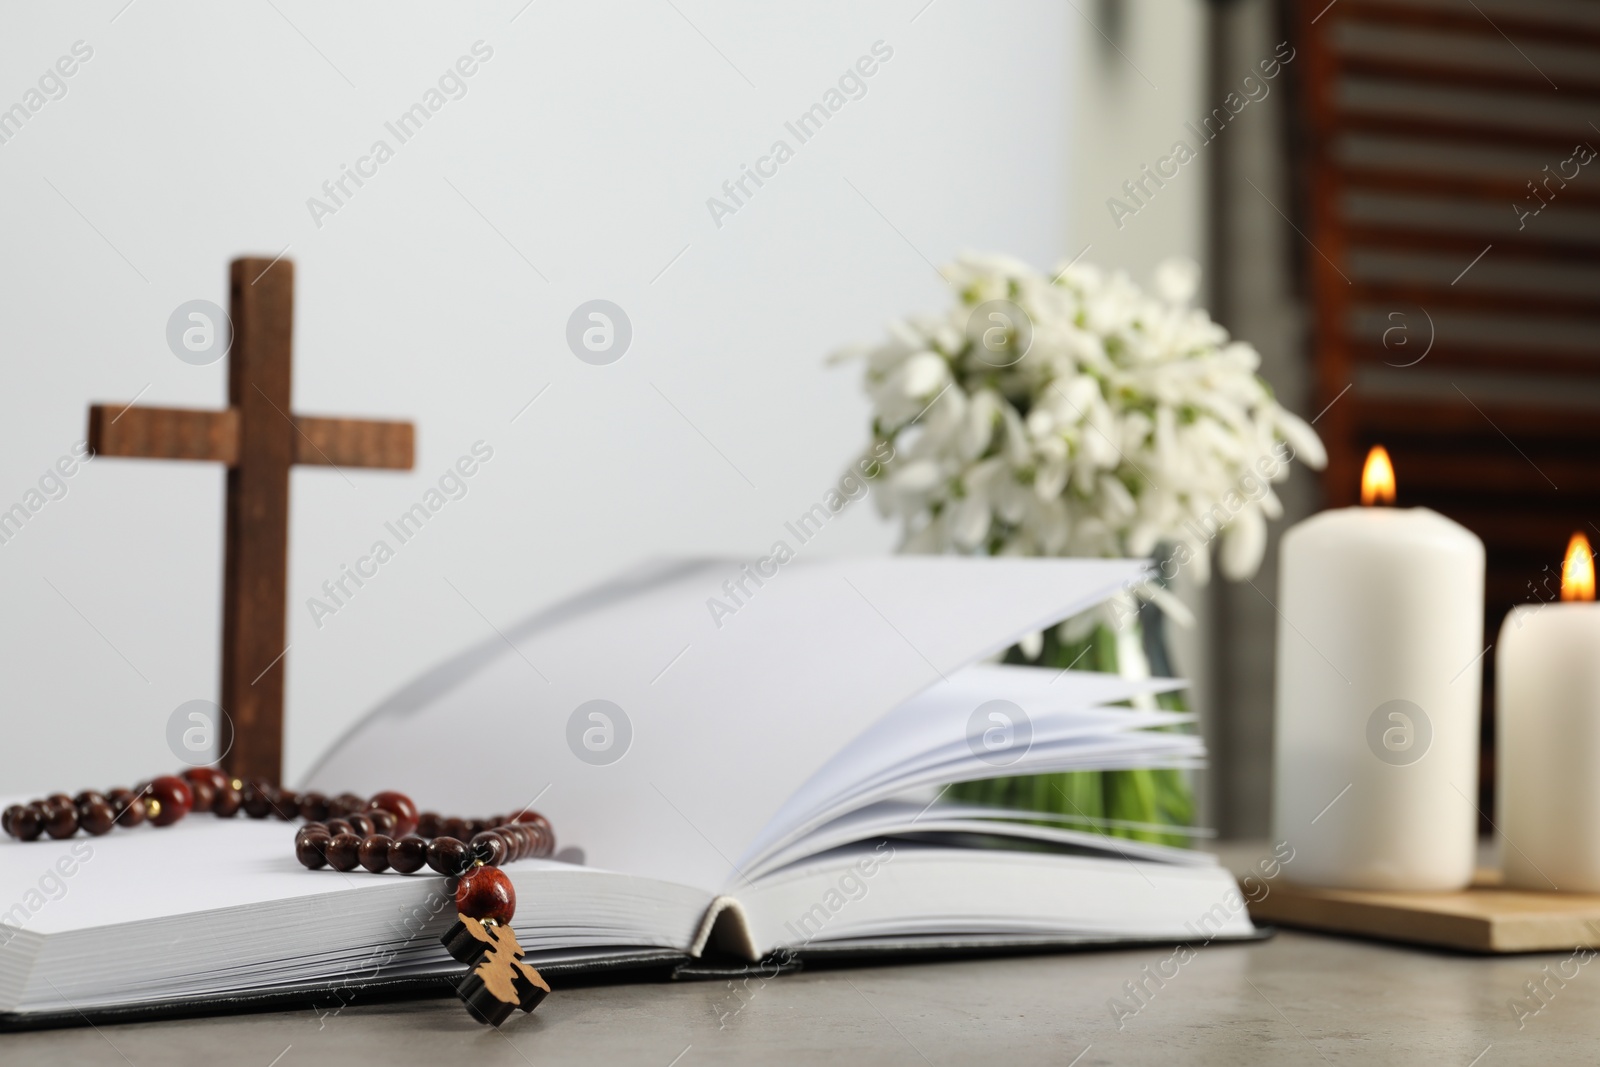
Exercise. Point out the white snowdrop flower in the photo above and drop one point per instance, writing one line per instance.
(923, 375)
(1051, 478)
(929, 540)
(1301, 437)
(1271, 507)
(1017, 448)
(916, 477)
(1011, 501)
(1244, 542)
(983, 412)
(1118, 500)
(1054, 529)
(969, 524)
(1143, 538)
(1133, 420)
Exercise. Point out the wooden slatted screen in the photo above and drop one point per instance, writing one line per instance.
(1452, 240)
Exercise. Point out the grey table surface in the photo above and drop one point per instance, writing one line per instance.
(1298, 998)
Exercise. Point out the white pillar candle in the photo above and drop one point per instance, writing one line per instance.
(1378, 687)
(1548, 681)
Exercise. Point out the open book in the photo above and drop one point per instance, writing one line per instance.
(746, 766)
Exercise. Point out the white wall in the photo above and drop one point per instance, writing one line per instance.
(591, 141)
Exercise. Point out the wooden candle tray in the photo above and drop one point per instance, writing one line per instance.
(1481, 918)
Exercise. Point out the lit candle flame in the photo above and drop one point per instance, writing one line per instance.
(1577, 573)
(1377, 478)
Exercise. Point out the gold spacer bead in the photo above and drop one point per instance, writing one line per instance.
(237, 783)
(152, 808)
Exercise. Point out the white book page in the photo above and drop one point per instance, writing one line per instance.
(212, 905)
(934, 727)
(726, 721)
(891, 818)
(911, 890)
(1124, 750)
(202, 864)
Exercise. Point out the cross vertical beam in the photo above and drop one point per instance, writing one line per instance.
(258, 438)
(255, 566)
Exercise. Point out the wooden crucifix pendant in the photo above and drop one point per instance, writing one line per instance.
(499, 981)
(258, 438)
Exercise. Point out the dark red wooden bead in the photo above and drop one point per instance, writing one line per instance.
(490, 848)
(211, 776)
(400, 806)
(538, 839)
(134, 812)
(285, 804)
(227, 802)
(343, 852)
(83, 799)
(313, 806)
(257, 797)
(448, 856)
(485, 893)
(205, 794)
(548, 843)
(428, 824)
(96, 817)
(383, 822)
(170, 799)
(340, 826)
(24, 822)
(311, 827)
(61, 819)
(36, 813)
(311, 849)
(408, 854)
(460, 829)
(374, 853)
(346, 804)
(360, 824)
(57, 798)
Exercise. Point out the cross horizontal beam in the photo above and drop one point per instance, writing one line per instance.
(164, 433)
(354, 443)
(213, 436)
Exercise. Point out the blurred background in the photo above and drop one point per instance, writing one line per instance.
(1400, 223)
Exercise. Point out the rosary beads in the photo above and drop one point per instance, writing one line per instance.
(343, 832)
(377, 834)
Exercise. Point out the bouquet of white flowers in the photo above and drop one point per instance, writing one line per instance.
(1079, 416)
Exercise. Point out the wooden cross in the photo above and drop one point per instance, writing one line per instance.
(258, 438)
(499, 981)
